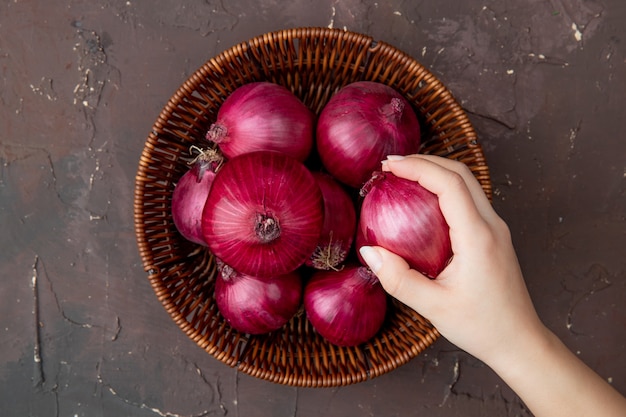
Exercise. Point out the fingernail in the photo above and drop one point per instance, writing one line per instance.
(395, 157)
(371, 257)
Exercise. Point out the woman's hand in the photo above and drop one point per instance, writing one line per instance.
(479, 301)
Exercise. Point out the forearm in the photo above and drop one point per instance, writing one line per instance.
(553, 382)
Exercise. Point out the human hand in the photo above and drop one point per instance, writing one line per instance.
(479, 302)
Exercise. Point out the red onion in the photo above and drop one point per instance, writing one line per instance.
(257, 305)
(361, 124)
(263, 116)
(264, 214)
(346, 307)
(403, 217)
(190, 194)
(339, 225)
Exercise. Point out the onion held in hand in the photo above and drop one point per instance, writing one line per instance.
(363, 123)
(263, 116)
(190, 194)
(346, 307)
(264, 214)
(257, 305)
(403, 217)
(339, 225)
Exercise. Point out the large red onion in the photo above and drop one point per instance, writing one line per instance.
(264, 214)
(339, 225)
(403, 217)
(346, 307)
(257, 305)
(190, 194)
(361, 124)
(263, 116)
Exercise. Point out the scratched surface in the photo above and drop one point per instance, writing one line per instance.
(81, 83)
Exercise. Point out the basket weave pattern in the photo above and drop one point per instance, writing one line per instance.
(313, 63)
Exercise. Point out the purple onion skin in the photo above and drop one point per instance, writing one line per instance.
(346, 307)
(257, 305)
(188, 199)
(264, 214)
(263, 116)
(361, 124)
(339, 225)
(404, 218)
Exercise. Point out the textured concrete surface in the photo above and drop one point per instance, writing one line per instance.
(81, 83)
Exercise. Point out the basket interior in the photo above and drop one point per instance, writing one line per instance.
(313, 63)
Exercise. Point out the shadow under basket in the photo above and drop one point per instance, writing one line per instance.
(313, 63)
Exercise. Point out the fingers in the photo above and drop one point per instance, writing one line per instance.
(398, 279)
(476, 190)
(456, 201)
(412, 167)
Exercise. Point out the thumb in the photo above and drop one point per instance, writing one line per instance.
(398, 279)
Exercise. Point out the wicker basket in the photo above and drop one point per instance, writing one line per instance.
(313, 63)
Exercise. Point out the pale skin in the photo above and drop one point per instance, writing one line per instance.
(493, 317)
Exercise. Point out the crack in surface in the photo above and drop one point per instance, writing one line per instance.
(455, 390)
(15, 152)
(163, 413)
(38, 373)
(497, 120)
(456, 374)
(582, 18)
(214, 387)
(40, 267)
(95, 72)
(45, 88)
(600, 282)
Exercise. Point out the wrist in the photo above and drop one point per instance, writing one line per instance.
(528, 346)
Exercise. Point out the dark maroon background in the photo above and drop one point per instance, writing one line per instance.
(82, 82)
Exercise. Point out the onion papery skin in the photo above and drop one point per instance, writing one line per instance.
(189, 198)
(264, 214)
(263, 116)
(403, 217)
(256, 305)
(346, 307)
(363, 123)
(339, 225)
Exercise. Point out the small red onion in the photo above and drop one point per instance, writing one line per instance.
(339, 225)
(190, 194)
(404, 218)
(361, 124)
(346, 307)
(263, 116)
(257, 305)
(264, 214)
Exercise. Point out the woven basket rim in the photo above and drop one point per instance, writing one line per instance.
(290, 56)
